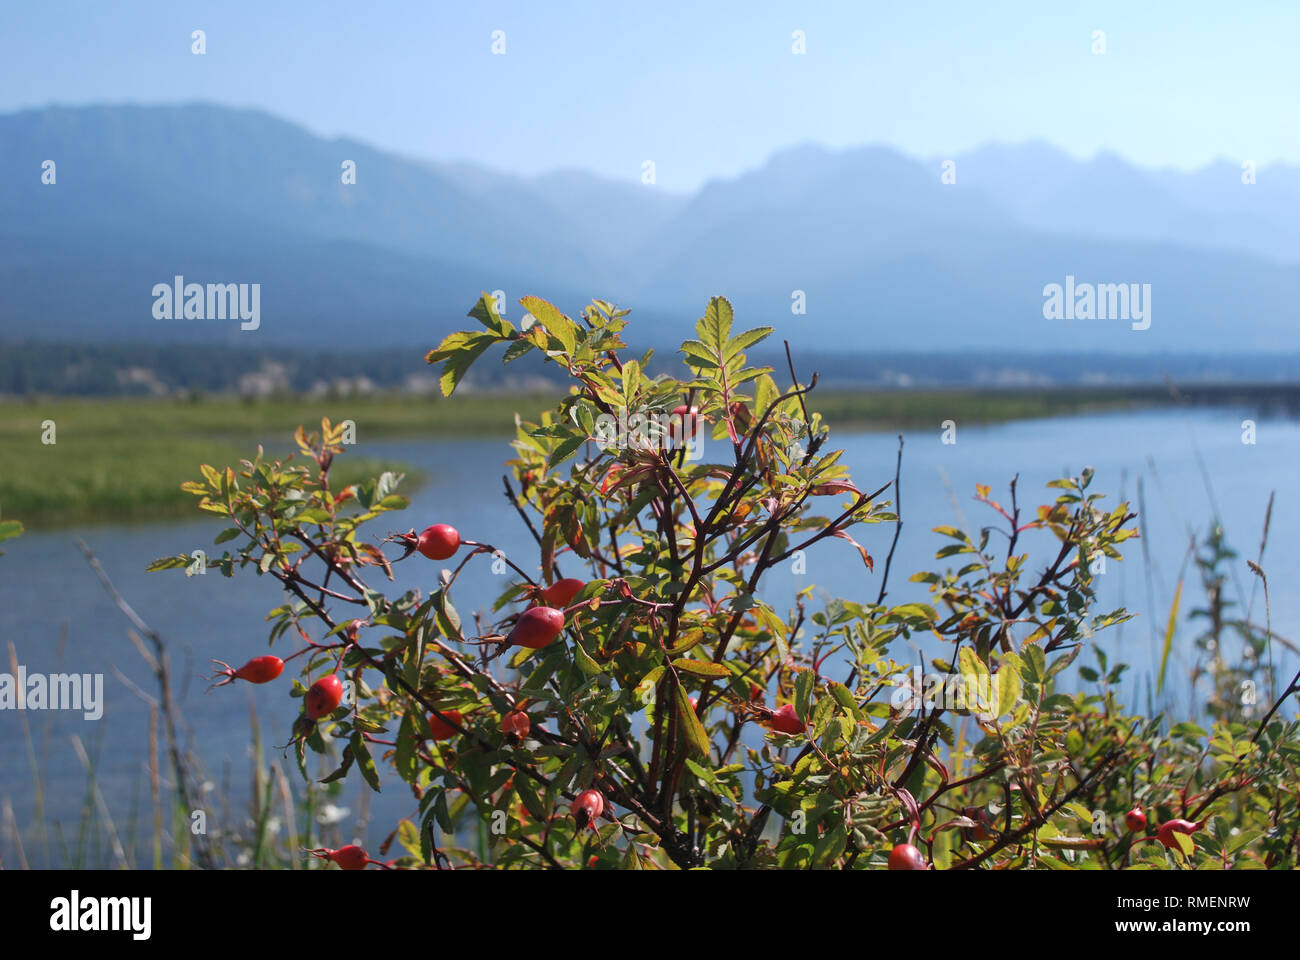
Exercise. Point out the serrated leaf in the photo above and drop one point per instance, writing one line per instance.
(804, 683)
(844, 697)
(1034, 663)
(485, 312)
(565, 450)
(556, 323)
(714, 327)
(743, 341)
(1009, 683)
(460, 359)
(702, 668)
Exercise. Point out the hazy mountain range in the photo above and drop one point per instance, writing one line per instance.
(887, 256)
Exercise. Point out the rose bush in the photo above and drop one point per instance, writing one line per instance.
(635, 701)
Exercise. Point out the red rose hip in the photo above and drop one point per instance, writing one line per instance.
(350, 857)
(786, 720)
(323, 697)
(906, 857)
(562, 592)
(439, 541)
(442, 730)
(258, 670)
(536, 627)
(516, 724)
(684, 423)
(1167, 830)
(587, 806)
(1135, 820)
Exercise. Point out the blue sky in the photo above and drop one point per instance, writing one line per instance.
(703, 89)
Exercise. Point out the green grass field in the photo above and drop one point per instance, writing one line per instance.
(118, 459)
(126, 458)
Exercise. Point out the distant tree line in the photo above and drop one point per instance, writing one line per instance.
(72, 369)
(69, 369)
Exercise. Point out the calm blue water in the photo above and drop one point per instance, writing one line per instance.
(58, 618)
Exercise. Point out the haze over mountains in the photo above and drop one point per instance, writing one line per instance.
(887, 256)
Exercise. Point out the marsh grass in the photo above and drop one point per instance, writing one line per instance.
(124, 459)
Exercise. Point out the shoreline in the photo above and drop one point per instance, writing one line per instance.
(123, 459)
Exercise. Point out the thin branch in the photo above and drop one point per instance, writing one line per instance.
(898, 526)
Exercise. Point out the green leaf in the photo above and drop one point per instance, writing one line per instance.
(408, 835)
(970, 665)
(364, 760)
(585, 663)
(645, 689)
(342, 771)
(405, 759)
(1009, 683)
(533, 804)
(744, 341)
(844, 696)
(766, 393)
(698, 355)
(485, 312)
(556, 323)
(702, 668)
(1169, 635)
(566, 449)
(1061, 662)
(715, 326)
(696, 737)
(631, 383)
(461, 359)
(830, 846)
(517, 349)
(804, 682)
(442, 814)
(1242, 840)
(914, 611)
(449, 623)
(1034, 668)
